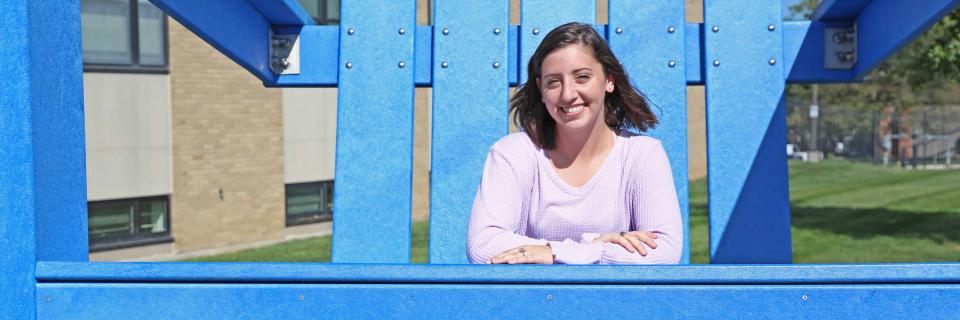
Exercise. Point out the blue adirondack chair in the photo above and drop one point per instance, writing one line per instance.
(744, 53)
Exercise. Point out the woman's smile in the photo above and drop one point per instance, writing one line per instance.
(573, 110)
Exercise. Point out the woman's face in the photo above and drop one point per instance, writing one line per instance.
(573, 86)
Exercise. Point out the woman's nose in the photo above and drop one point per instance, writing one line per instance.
(568, 94)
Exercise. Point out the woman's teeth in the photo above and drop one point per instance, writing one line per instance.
(573, 109)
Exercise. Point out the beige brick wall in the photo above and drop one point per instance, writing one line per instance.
(421, 153)
(696, 112)
(421, 135)
(227, 134)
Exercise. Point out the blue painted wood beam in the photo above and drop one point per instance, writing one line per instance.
(285, 272)
(469, 113)
(513, 55)
(282, 12)
(423, 56)
(746, 130)
(839, 9)
(648, 38)
(17, 212)
(885, 26)
(482, 301)
(374, 158)
(235, 28)
(803, 55)
(693, 50)
(43, 198)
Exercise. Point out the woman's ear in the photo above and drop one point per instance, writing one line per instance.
(610, 86)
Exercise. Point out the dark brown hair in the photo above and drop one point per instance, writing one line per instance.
(624, 108)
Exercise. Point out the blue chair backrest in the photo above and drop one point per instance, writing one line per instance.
(472, 68)
(744, 53)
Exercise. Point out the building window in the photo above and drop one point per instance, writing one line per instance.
(123, 36)
(124, 223)
(309, 202)
(325, 12)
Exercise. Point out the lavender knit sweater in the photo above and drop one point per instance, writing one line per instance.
(522, 201)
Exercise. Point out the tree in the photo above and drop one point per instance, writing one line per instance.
(803, 10)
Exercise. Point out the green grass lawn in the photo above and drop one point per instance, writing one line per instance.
(841, 213)
(844, 212)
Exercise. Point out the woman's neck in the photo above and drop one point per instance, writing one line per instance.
(576, 146)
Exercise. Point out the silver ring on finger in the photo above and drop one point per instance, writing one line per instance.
(523, 252)
(623, 234)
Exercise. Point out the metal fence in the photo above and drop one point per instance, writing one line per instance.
(920, 136)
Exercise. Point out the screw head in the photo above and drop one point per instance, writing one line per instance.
(771, 27)
(47, 299)
(350, 31)
(496, 65)
(300, 297)
(349, 65)
(772, 61)
(671, 63)
(549, 297)
(401, 64)
(716, 63)
(536, 31)
(619, 30)
(444, 64)
(445, 31)
(402, 31)
(496, 31)
(715, 29)
(805, 297)
(671, 30)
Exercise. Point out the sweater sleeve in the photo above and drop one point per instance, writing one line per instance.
(496, 220)
(654, 207)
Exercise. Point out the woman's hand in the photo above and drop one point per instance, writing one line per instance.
(633, 241)
(534, 254)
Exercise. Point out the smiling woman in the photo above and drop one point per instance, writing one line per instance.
(577, 186)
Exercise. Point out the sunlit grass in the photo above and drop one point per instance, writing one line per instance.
(841, 212)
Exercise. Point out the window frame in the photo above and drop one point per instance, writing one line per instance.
(324, 15)
(322, 5)
(134, 32)
(136, 239)
(322, 216)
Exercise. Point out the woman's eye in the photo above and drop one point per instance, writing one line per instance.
(583, 77)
